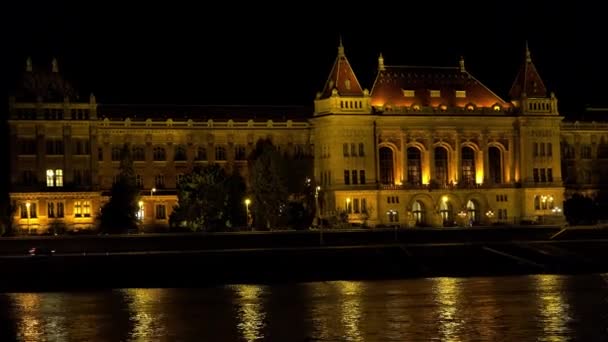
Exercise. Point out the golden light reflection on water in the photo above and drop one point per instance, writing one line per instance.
(350, 310)
(146, 314)
(32, 325)
(553, 310)
(447, 299)
(251, 315)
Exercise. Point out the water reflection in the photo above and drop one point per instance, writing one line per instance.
(251, 316)
(350, 309)
(448, 306)
(146, 315)
(553, 311)
(537, 308)
(41, 317)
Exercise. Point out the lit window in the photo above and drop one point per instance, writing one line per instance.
(461, 93)
(58, 177)
(86, 208)
(50, 177)
(435, 93)
(161, 213)
(443, 108)
(408, 93)
(470, 107)
(77, 209)
(496, 109)
(416, 107)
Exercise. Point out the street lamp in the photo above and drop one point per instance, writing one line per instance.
(490, 214)
(27, 207)
(247, 202)
(152, 191)
(318, 211)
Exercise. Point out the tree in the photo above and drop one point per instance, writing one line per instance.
(268, 182)
(579, 209)
(209, 199)
(119, 215)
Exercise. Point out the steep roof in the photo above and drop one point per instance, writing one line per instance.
(528, 82)
(44, 83)
(342, 78)
(394, 86)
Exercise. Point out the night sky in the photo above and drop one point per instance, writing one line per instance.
(244, 54)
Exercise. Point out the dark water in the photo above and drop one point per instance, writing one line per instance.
(521, 308)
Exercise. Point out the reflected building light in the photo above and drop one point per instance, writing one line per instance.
(144, 312)
(351, 292)
(447, 301)
(251, 316)
(34, 323)
(553, 310)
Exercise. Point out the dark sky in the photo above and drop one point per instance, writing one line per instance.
(190, 53)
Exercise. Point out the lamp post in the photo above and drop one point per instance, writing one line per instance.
(141, 214)
(490, 214)
(247, 202)
(152, 191)
(27, 207)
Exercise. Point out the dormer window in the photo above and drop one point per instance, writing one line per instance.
(435, 93)
(443, 108)
(470, 107)
(416, 107)
(347, 84)
(408, 93)
(461, 93)
(496, 108)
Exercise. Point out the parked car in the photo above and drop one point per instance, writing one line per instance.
(41, 251)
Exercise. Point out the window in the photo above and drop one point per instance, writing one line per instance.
(345, 149)
(535, 174)
(361, 176)
(159, 181)
(386, 165)
(201, 154)
(356, 205)
(549, 151)
(239, 152)
(409, 93)
(180, 153)
(100, 153)
(542, 149)
(435, 93)
(414, 166)
(585, 152)
(50, 209)
(27, 146)
(364, 205)
(159, 154)
(353, 150)
(59, 209)
(361, 150)
(220, 153)
(138, 153)
(535, 149)
(354, 176)
(28, 177)
(54, 178)
(536, 202)
(139, 181)
(116, 153)
(77, 209)
(81, 146)
(161, 213)
(461, 93)
(54, 147)
(346, 177)
(86, 208)
(82, 177)
(24, 210)
(550, 175)
(543, 175)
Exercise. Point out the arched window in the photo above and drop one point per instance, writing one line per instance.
(116, 153)
(386, 166)
(414, 166)
(138, 153)
(220, 153)
(159, 153)
(445, 210)
(201, 153)
(467, 166)
(419, 213)
(441, 165)
(495, 163)
(180, 153)
(473, 211)
(536, 202)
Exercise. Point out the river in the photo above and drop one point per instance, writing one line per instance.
(510, 308)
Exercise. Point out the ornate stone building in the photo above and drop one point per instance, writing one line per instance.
(427, 146)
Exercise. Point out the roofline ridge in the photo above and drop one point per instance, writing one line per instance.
(421, 66)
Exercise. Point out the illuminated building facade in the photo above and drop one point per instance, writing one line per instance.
(427, 146)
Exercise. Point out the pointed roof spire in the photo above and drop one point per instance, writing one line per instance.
(342, 77)
(381, 66)
(28, 64)
(461, 64)
(528, 82)
(55, 66)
